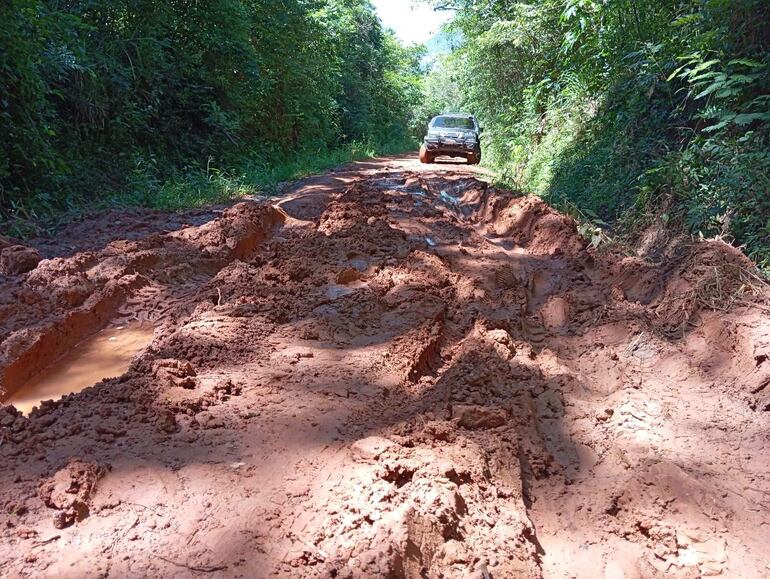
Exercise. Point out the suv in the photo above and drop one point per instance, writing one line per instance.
(453, 134)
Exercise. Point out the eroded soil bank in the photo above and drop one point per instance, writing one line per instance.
(394, 371)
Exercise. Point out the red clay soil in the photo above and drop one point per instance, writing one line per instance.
(393, 371)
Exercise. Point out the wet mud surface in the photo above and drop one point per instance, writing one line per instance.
(108, 353)
(391, 371)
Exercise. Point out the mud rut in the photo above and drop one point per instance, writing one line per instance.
(393, 372)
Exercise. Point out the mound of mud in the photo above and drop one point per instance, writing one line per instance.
(531, 223)
(399, 371)
(45, 312)
(708, 275)
(515, 220)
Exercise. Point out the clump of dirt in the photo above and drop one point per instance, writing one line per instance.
(15, 259)
(173, 372)
(396, 371)
(69, 491)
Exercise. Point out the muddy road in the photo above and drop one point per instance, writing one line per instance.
(394, 370)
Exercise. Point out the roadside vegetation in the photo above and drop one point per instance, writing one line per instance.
(171, 104)
(630, 112)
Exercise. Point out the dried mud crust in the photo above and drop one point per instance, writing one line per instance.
(394, 372)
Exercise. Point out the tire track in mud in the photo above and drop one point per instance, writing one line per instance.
(415, 375)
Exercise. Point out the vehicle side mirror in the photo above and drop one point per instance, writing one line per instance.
(481, 130)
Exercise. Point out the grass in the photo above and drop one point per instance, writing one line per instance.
(257, 178)
(194, 186)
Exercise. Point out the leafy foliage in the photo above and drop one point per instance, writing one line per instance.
(122, 99)
(628, 109)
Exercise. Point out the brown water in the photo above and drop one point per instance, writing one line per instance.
(106, 354)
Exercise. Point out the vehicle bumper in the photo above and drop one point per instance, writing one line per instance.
(442, 147)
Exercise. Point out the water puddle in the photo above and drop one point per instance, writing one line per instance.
(106, 354)
(335, 291)
(449, 199)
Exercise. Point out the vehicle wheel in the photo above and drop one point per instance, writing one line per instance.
(425, 156)
(474, 158)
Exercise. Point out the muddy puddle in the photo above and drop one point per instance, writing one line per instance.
(106, 354)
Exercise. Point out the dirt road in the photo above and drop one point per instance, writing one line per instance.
(394, 371)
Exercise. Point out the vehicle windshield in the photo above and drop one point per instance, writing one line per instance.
(452, 123)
